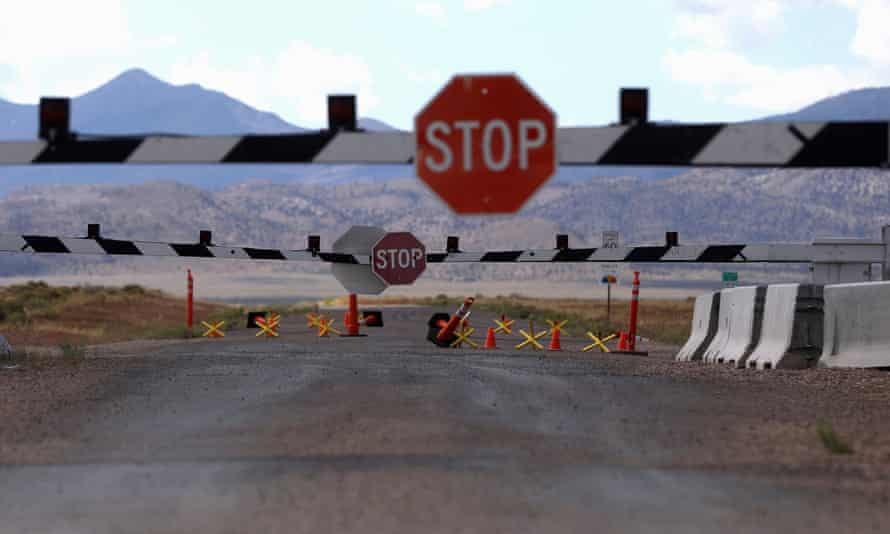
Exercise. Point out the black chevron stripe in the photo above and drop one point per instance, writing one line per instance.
(39, 243)
(501, 256)
(105, 151)
(336, 257)
(649, 144)
(298, 148)
(264, 254)
(192, 251)
(115, 246)
(845, 144)
(574, 254)
(646, 254)
(720, 253)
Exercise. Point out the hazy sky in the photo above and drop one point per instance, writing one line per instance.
(704, 60)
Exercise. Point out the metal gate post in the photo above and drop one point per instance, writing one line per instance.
(885, 267)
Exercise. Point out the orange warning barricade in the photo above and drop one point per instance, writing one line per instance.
(313, 319)
(531, 339)
(325, 326)
(504, 325)
(268, 327)
(599, 343)
(463, 336)
(213, 330)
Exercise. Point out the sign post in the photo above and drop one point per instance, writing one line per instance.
(609, 280)
(485, 143)
(398, 258)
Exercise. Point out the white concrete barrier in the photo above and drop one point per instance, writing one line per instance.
(791, 337)
(857, 325)
(736, 329)
(704, 327)
(778, 324)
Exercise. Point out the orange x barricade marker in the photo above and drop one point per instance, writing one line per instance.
(531, 339)
(504, 326)
(464, 337)
(313, 320)
(268, 327)
(327, 325)
(213, 330)
(597, 342)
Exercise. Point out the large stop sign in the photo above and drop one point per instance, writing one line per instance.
(485, 143)
(398, 258)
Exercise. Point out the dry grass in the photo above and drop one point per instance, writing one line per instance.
(665, 321)
(36, 314)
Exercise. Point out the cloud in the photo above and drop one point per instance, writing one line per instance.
(295, 81)
(66, 48)
(732, 78)
(47, 29)
(43, 48)
(727, 23)
(434, 10)
(871, 40)
(482, 5)
(718, 33)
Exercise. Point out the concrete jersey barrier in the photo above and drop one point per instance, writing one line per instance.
(704, 327)
(857, 325)
(739, 327)
(791, 336)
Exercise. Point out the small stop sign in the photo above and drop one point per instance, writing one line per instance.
(485, 144)
(398, 258)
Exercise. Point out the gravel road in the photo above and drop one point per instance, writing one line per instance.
(386, 433)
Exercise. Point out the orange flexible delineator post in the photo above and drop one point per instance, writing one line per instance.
(634, 309)
(446, 334)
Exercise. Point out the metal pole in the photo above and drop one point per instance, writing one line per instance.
(885, 267)
(634, 304)
(447, 333)
(190, 303)
(609, 303)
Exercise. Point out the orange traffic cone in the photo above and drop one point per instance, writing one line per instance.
(622, 341)
(489, 339)
(554, 340)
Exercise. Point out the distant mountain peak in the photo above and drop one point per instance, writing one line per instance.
(131, 80)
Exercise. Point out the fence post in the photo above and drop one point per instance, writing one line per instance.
(634, 304)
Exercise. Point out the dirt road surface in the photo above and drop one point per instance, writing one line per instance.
(386, 433)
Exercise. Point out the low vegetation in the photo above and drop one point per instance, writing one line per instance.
(831, 440)
(69, 318)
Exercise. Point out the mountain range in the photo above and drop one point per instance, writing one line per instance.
(703, 205)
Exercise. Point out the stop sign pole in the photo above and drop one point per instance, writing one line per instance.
(398, 258)
(485, 143)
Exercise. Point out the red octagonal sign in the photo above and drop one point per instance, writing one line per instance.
(485, 143)
(398, 258)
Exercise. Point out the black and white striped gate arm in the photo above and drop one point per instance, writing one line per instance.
(753, 144)
(759, 253)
